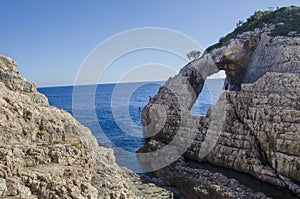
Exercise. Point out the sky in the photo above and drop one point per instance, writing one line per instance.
(51, 39)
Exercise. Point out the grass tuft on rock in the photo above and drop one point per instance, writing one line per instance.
(75, 144)
(41, 132)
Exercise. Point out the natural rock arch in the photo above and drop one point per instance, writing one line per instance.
(245, 59)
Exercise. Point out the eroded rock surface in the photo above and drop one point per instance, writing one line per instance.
(197, 183)
(255, 130)
(46, 153)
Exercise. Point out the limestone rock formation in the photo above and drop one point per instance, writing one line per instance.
(46, 153)
(198, 183)
(254, 127)
(250, 55)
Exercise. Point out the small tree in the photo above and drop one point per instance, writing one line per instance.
(194, 54)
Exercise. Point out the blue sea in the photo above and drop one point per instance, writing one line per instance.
(111, 111)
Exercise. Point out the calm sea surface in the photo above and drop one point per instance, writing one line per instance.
(111, 111)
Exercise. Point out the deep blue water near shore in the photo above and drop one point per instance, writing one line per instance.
(103, 122)
(101, 118)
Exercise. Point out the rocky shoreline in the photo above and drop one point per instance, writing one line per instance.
(223, 153)
(253, 128)
(46, 153)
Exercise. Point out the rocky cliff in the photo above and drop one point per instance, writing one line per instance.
(254, 127)
(46, 153)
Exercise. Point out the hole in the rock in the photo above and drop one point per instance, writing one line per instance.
(212, 89)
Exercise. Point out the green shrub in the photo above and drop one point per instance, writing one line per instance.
(75, 144)
(289, 17)
(41, 132)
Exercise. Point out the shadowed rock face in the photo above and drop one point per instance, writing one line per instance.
(234, 58)
(200, 183)
(46, 153)
(250, 55)
(255, 130)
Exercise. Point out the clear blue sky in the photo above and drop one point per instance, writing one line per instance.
(51, 38)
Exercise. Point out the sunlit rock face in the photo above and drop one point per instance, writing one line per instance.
(254, 127)
(46, 153)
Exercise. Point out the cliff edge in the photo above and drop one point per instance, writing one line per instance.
(255, 125)
(46, 153)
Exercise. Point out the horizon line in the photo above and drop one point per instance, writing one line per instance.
(106, 83)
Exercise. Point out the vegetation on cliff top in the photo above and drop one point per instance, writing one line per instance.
(286, 20)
